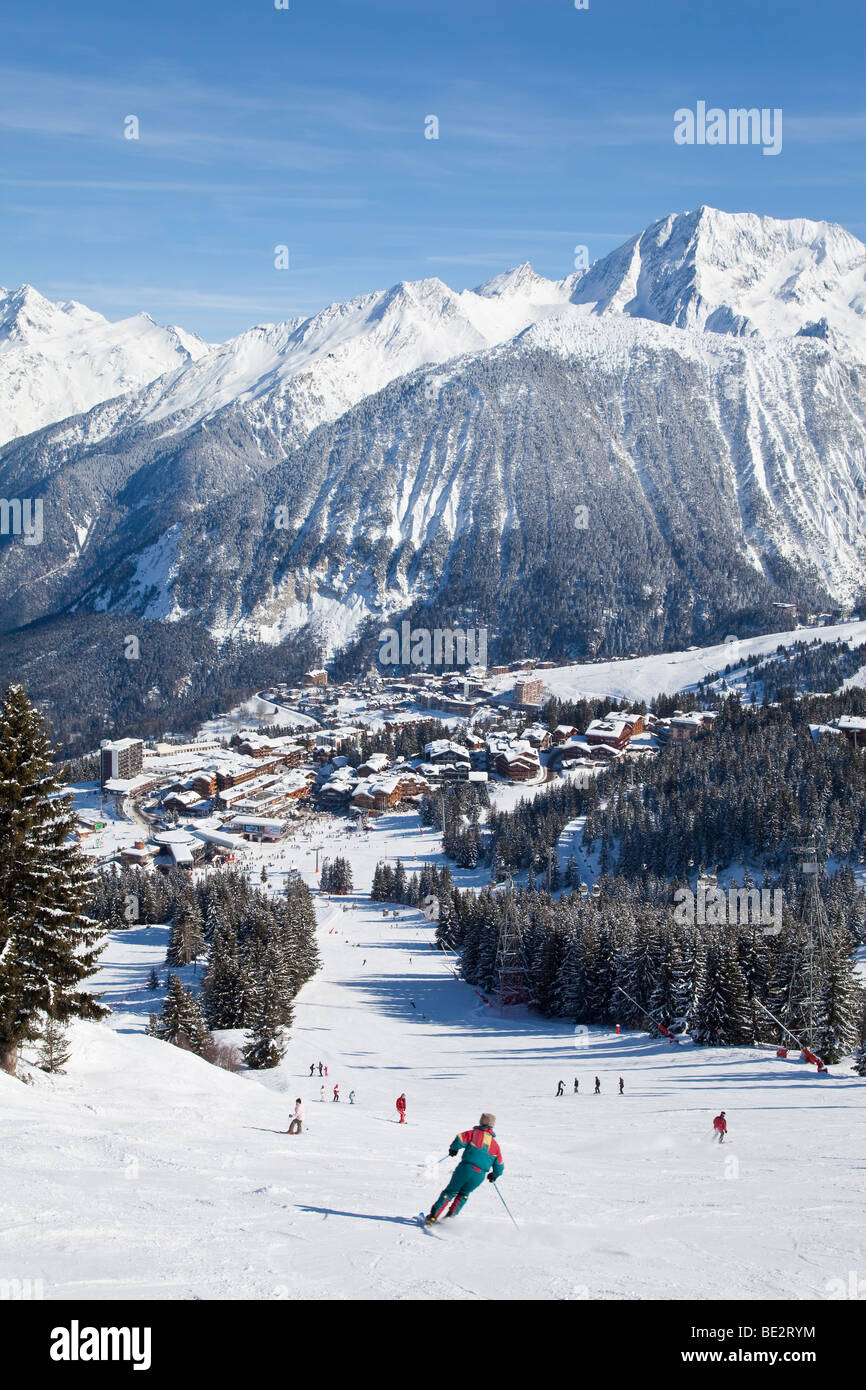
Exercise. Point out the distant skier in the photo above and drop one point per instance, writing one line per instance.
(337, 1092)
(621, 1086)
(401, 1108)
(482, 1158)
(326, 1071)
(351, 1097)
(320, 1069)
(297, 1118)
(321, 1093)
(720, 1125)
(576, 1086)
(560, 1089)
(597, 1087)
(412, 1002)
(312, 1068)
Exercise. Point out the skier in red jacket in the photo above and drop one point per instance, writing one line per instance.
(720, 1125)
(401, 1107)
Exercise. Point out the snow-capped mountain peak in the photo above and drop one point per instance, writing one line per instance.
(735, 273)
(27, 316)
(520, 280)
(61, 358)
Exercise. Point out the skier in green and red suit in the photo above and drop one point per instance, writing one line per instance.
(482, 1158)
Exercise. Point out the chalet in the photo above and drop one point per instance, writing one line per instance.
(245, 771)
(853, 727)
(317, 677)
(604, 752)
(379, 793)
(562, 733)
(286, 749)
(376, 763)
(338, 788)
(204, 784)
(538, 735)
(685, 726)
(444, 750)
(615, 730)
(518, 762)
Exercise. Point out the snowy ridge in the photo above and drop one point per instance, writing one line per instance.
(724, 273)
(59, 359)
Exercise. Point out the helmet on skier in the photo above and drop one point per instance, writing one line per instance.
(487, 1121)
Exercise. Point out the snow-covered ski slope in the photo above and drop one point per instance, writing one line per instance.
(146, 1173)
(668, 673)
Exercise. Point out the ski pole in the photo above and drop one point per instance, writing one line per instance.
(504, 1203)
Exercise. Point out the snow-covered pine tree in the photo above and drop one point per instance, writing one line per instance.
(266, 1043)
(47, 946)
(838, 1008)
(181, 1019)
(186, 941)
(222, 987)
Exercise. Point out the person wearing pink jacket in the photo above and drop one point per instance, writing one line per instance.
(297, 1118)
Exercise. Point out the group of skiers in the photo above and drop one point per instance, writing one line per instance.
(482, 1156)
(560, 1087)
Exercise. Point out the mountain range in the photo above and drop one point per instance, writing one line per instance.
(663, 448)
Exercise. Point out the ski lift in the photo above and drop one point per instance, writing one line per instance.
(584, 890)
(596, 891)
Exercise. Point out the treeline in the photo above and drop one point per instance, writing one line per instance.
(512, 841)
(336, 876)
(456, 810)
(815, 666)
(623, 958)
(139, 678)
(391, 883)
(755, 786)
(260, 949)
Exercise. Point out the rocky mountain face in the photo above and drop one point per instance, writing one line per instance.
(660, 448)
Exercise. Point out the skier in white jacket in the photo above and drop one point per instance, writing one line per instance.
(297, 1118)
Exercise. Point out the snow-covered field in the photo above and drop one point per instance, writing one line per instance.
(643, 677)
(146, 1173)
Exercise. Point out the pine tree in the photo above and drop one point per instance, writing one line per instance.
(186, 941)
(837, 1013)
(181, 1020)
(153, 979)
(54, 1051)
(266, 1043)
(47, 947)
(222, 987)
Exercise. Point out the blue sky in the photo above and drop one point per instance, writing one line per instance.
(305, 127)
